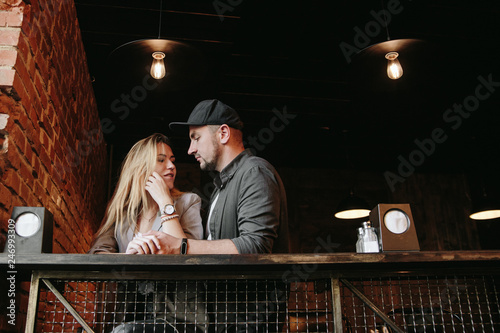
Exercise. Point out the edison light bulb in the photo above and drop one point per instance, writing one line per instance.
(158, 66)
(394, 69)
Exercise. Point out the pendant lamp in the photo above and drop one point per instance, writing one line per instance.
(388, 54)
(486, 208)
(173, 64)
(352, 207)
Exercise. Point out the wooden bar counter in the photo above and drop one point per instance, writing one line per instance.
(454, 291)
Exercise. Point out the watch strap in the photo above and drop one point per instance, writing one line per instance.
(184, 246)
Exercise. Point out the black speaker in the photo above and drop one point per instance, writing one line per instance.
(396, 227)
(30, 231)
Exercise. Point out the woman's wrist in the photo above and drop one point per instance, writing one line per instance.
(168, 208)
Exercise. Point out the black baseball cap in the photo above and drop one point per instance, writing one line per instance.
(211, 112)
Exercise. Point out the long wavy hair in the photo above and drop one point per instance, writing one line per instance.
(130, 198)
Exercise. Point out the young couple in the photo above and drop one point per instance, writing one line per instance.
(148, 215)
(247, 214)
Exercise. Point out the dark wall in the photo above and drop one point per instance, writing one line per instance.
(440, 205)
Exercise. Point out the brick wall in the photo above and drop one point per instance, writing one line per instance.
(56, 155)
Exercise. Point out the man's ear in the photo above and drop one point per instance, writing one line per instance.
(224, 134)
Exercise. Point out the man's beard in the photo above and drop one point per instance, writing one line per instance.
(211, 165)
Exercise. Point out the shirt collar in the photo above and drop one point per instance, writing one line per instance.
(228, 172)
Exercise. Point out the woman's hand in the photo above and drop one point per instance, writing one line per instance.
(143, 244)
(159, 190)
(169, 243)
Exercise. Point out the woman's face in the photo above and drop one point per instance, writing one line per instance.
(165, 166)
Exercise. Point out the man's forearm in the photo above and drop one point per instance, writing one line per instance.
(221, 246)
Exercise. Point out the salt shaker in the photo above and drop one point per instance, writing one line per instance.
(370, 239)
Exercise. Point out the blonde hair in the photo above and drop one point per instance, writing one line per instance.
(130, 197)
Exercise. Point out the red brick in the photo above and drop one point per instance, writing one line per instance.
(9, 36)
(19, 91)
(10, 106)
(27, 19)
(16, 138)
(54, 92)
(45, 123)
(3, 18)
(23, 46)
(12, 180)
(23, 120)
(28, 153)
(45, 21)
(24, 75)
(46, 46)
(8, 56)
(34, 37)
(31, 66)
(43, 65)
(7, 77)
(41, 89)
(5, 197)
(51, 119)
(17, 200)
(15, 17)
(44, 158)
(38, 190)
(25, 191)
(36, 164)
(26, 173)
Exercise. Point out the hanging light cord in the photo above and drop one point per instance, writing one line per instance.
(385, 20)
(161, 9)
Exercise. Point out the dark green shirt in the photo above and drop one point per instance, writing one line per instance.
(251, 209)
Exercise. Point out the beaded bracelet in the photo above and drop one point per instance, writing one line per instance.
(165, 218)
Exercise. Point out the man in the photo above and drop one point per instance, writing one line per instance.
(248, 210)
(248, 214)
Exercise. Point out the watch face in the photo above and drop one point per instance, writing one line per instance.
(396, 221)
(169, 209)
(27, 224)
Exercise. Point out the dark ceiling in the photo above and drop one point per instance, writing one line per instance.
(293, 62)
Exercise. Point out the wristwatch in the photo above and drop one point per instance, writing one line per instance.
(184, 246)
(169, 209)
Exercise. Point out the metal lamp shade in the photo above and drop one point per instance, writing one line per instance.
(352, 207)
(485, 209)
(131, 62)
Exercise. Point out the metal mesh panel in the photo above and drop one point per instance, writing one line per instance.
(414, 304)
(187, 306)
(424, 304)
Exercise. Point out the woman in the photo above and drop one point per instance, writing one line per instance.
(145, 198)
(145, 189)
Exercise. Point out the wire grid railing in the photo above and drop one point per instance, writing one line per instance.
(400, 303)
(256, 305)
(424, 304)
